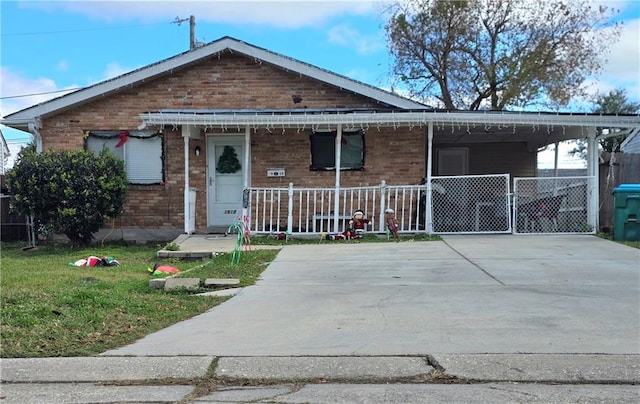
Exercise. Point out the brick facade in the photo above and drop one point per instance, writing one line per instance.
(234, 82)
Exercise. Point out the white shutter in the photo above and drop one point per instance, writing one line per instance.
(144, 160)
(95, 144)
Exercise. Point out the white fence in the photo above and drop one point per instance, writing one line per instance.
(459, 204)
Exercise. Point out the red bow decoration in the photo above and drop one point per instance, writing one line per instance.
(124, 136)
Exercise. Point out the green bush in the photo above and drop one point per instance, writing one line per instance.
(68, 192)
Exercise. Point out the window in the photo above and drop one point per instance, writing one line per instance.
(140, 150)
(323, 155)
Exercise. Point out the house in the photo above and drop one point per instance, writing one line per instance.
(4, 154)
(231, 131)
(632, 143)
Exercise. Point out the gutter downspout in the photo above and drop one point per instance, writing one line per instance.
(34, 129)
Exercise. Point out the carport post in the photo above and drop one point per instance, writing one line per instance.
(336, 198)
(187, 212)
(428, 225)
(592, 186)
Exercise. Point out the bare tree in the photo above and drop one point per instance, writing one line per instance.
(497, 54)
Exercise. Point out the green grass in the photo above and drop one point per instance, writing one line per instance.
(609, 236)
(51, 309)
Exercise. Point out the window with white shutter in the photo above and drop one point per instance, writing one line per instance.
(140, 150)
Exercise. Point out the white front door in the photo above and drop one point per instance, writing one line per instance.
(225, 173)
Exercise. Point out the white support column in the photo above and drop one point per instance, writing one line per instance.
(383, 207)
(290, 210)
(336, 197)
(428, 217)
(593, 186)
(246, 181)
(187, 211)
(555, 160)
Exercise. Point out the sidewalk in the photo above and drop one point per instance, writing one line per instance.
(468, 319)
(453, 378)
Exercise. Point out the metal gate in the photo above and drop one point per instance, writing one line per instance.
(471, 204)
(554, 205)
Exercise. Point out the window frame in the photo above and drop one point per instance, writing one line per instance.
(141, 168)
(322, 150)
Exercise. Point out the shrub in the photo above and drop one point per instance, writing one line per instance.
(68, 192)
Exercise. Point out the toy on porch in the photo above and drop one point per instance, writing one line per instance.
(357, 225)
(391, 223)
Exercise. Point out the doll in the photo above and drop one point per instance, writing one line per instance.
(358, 224)
(391, 223)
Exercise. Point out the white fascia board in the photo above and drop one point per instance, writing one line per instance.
(388, 119)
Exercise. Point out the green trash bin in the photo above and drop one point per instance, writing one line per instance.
(626, 212)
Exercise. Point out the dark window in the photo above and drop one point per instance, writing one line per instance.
(323, 150)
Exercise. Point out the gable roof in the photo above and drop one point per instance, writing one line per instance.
(225, 44)
(632, 143)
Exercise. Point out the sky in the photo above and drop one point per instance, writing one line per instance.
(47, 47)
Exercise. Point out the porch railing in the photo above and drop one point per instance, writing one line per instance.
(460, 204)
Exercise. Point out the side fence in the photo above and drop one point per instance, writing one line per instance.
(615, 169)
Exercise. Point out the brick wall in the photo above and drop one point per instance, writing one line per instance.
(233, 82)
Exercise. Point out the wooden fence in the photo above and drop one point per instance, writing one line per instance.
(615, 169)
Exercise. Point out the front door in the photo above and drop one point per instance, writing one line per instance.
(225, 173)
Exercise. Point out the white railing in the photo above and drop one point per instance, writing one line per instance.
(313, 210)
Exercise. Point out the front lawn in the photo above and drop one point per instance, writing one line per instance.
(50, 308)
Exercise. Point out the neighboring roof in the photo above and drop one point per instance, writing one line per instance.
(3, 144)
(632, 143)
(59, 104)
(4, 153)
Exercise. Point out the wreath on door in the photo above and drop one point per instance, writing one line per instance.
(228, 162)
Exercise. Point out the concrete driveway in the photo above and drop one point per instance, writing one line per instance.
(466, 294)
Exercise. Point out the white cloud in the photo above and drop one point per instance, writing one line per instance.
(623, 63)
(344, 35)
(283, 14)
(621, 68)
(25, 91)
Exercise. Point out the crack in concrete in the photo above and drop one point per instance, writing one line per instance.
(474, 264)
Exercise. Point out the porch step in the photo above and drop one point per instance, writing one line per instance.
(212, 282)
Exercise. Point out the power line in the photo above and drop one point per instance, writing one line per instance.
(67, 31)
(43, 93)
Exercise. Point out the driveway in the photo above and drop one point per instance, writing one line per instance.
(465, 294)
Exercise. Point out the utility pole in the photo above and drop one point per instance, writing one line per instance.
(192, 32)
(192, 29)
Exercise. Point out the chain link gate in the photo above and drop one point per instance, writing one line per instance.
(553, 205)
(471, 204)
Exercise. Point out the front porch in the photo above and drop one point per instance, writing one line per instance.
(517, 202)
